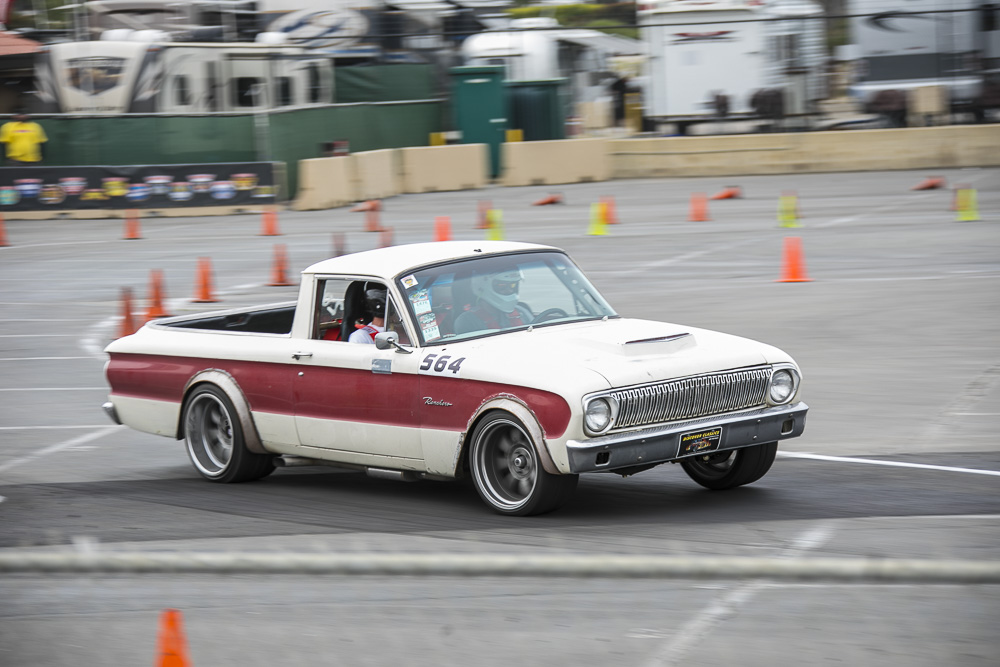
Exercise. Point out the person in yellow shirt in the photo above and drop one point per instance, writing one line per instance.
(24, 139)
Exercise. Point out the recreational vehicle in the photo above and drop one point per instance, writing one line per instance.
(132, 72)
(709, 58)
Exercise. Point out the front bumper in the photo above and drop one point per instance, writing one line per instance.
(660, 444)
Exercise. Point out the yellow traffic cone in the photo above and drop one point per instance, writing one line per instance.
(966, 207)
(598, 218)
(788, 211)
(494, 229)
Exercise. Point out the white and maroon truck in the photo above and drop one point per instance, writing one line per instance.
(498, 361)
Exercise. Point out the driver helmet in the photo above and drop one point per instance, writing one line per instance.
(498, 289)
(375, 301)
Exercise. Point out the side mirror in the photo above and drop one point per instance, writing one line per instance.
(386, 340)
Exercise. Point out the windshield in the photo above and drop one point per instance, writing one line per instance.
(482, 296)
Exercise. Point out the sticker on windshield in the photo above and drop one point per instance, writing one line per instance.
(410, 281)
(421, 302)
(429, 326)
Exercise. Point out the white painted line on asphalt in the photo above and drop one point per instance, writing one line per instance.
(39, 335)
(53, 388)
(67, 444)
(689, 635)
(879, 462)
(50, 428)
(41, 358)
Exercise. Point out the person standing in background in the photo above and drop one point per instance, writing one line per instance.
(24, 139)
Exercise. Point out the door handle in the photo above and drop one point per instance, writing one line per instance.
(300, 355)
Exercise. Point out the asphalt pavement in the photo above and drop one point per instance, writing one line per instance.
(896, 333)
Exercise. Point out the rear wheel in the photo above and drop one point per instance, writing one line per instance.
(507, 473)
(736, 467)
(214, 439)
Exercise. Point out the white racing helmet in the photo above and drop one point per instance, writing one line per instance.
(498, 289)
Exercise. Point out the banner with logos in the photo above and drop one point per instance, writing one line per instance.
(146, 186)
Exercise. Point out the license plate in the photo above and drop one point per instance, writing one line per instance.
(698, 442)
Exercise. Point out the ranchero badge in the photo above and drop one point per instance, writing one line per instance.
(699, 441)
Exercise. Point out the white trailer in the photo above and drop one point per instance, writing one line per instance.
(536, 49)
(128, 72)
(700, 50)
(908, 44)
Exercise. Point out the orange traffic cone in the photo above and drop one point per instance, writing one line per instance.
(793, 267)
(385, 237)
(370, 205)
(3, 233)
(203, 287)
(699, 208)
(551, 199)
(155, 309)
(730, 192)
(279, 271)
(373, 222)
(484, 214)
(127, 327)
(339, 245)
(171, 645)
(132, 225)
(269, 222)
(930, 183)
(442, 228)
(610, 212)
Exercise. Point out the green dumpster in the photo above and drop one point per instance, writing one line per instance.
(479, 104)
(538, 108)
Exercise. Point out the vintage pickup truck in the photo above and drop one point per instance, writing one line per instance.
(498, 361)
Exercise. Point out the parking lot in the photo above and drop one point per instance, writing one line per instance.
(896, 334)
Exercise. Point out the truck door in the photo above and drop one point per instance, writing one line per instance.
(353, 398)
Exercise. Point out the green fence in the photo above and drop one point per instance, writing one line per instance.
(289, 135)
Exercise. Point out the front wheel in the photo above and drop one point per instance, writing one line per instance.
(507, 473)
(729, 469)
(214, 439)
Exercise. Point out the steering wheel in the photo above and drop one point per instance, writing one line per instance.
(549, 314)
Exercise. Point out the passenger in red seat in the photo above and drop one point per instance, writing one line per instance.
(375, 302)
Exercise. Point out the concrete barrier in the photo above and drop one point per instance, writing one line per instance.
(553, 162)
(326, 182)
(377, 173)
(806, 152)
(443, 168)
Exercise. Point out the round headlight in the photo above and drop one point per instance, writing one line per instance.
(597, 416)
(782, 386)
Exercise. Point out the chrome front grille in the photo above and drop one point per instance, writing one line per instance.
(697, 396)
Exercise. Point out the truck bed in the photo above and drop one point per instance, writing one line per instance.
(276, 319)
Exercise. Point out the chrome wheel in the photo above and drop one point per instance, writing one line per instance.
(506, 462)
(507, 472)
(209, 434)
(214, 438)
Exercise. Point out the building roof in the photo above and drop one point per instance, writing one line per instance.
(12, 44)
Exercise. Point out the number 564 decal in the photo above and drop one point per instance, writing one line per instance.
(441, 363)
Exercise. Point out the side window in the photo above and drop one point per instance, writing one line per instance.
(245, 90)
(182, 94)
(329, 316)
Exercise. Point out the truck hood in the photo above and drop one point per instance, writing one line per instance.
(627, 351)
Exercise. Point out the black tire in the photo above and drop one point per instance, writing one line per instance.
(214, 439)
(507, 473)
(732, 468)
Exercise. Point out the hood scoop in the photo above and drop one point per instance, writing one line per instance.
(658, 344)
